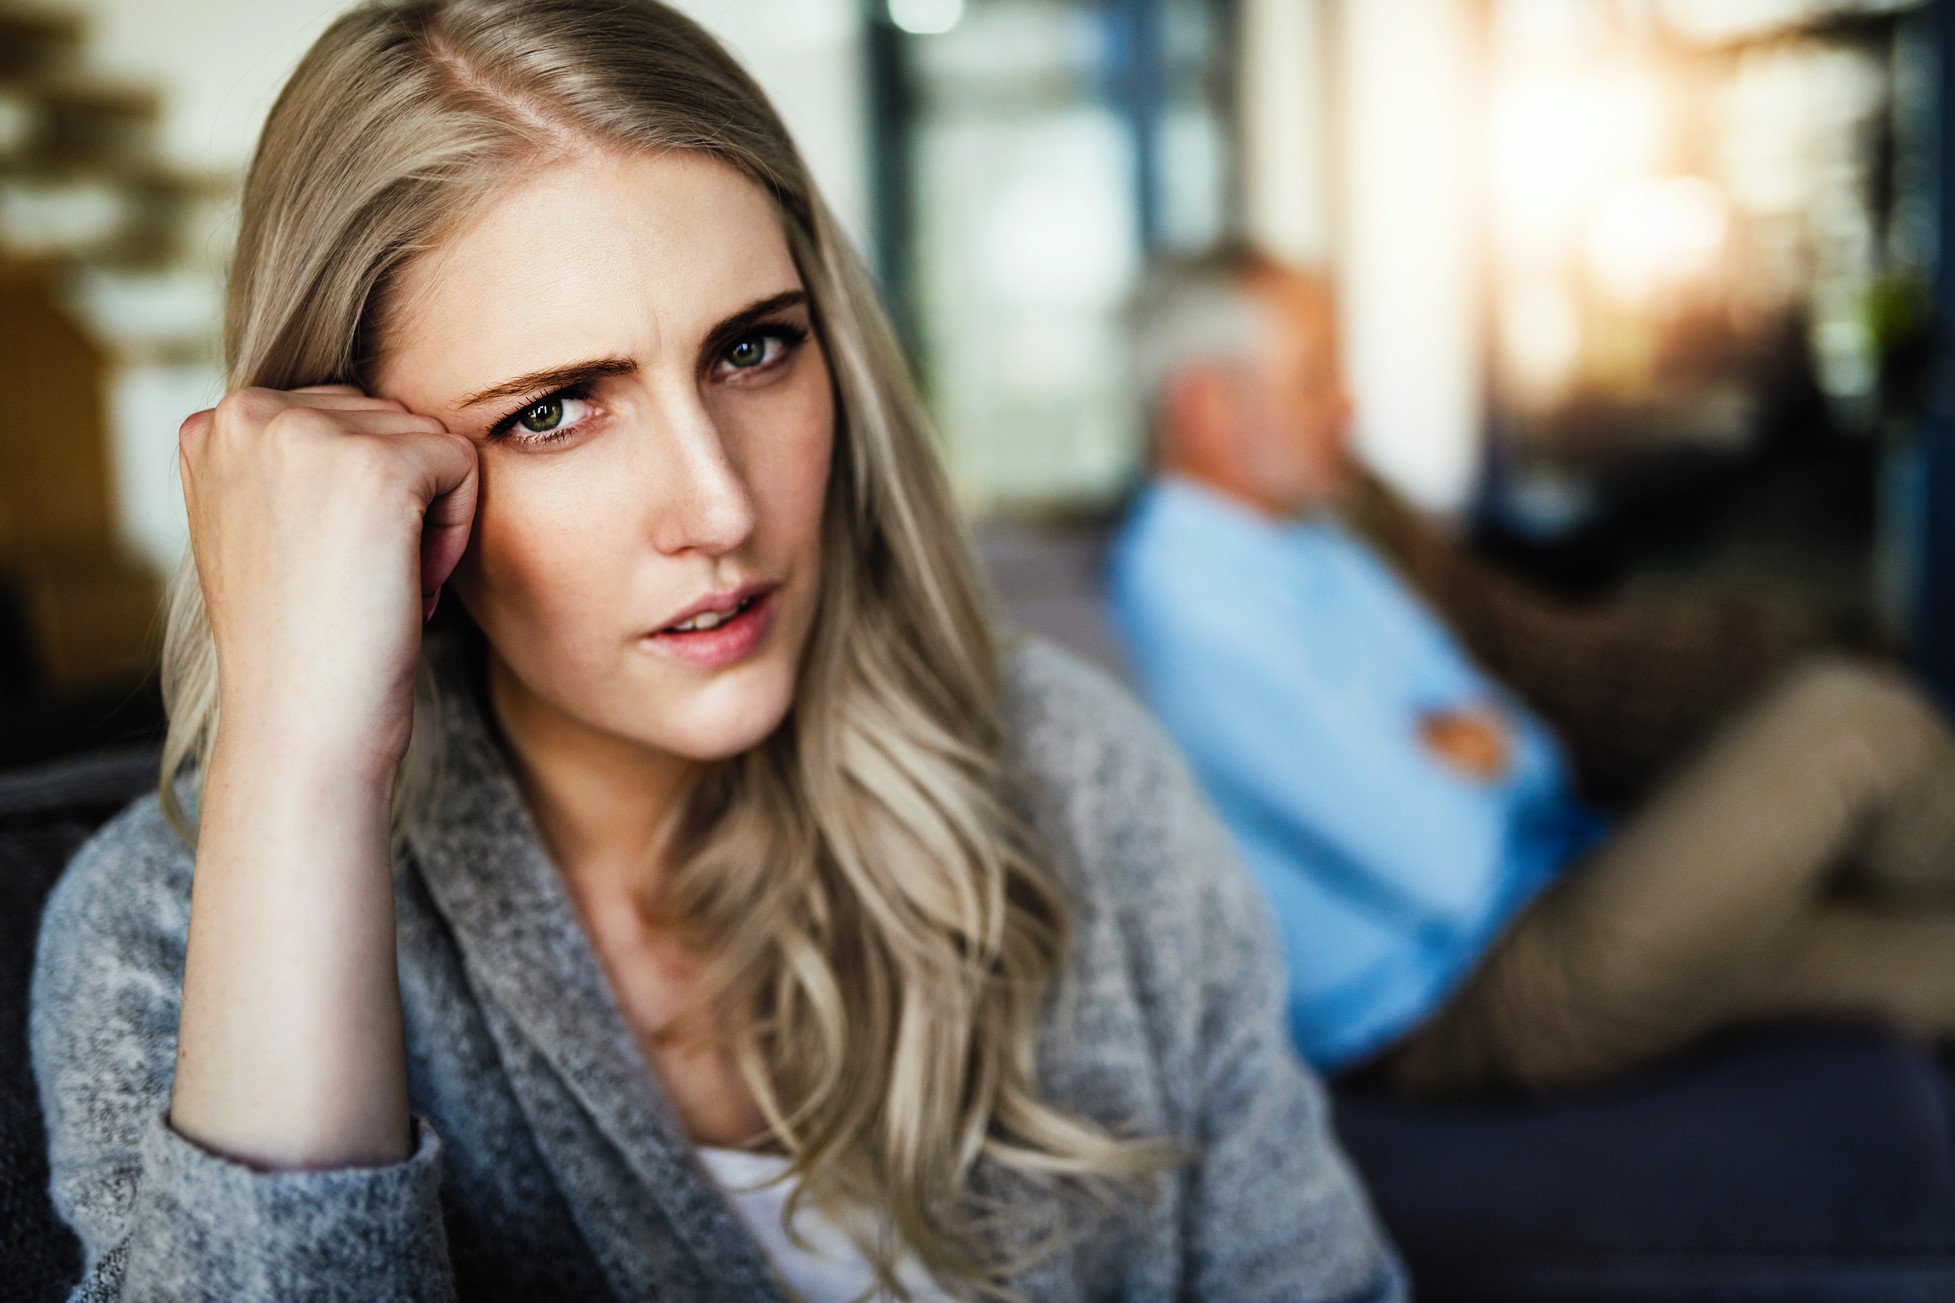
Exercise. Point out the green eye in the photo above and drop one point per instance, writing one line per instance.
(749, 352)
(543, 417)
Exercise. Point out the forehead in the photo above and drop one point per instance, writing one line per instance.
(1304, 304)
(590, 256)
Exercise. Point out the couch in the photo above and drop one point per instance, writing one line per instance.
(45, 814)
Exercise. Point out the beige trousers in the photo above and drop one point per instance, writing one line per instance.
(1805, 862)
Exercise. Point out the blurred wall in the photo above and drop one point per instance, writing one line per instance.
(1409, 228)
(1284, 102)
(1359, 152)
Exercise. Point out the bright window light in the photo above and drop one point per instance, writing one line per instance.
(926, 17)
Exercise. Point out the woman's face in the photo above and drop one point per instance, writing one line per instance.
(628, 343)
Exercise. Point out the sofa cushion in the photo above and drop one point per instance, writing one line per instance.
(1791, 1163)
(45, 815)
(1048, 580)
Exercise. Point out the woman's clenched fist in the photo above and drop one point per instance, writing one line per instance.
(323, 523)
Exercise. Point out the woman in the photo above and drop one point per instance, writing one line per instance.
(755, 925)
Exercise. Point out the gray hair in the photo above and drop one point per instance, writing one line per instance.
(1195, 309)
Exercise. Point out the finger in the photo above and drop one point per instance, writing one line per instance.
(341, 400)
(450, 485)
(357, 421)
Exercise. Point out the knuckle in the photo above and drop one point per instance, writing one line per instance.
(291, 423)
(250, 405)
(193, 428)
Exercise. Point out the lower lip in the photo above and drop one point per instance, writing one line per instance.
(728, 644)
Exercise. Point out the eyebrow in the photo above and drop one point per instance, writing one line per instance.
(559, 377)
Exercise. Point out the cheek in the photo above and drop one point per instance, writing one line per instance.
(535, 571)
(789, 444)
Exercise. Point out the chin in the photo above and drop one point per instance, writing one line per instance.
(722, 718)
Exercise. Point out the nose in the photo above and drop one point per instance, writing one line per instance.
(700, 499)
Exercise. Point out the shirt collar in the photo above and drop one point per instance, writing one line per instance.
(1191, 499)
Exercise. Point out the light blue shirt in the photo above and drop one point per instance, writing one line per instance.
(1295, 670)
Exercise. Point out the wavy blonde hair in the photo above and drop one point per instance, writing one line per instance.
(882, 924)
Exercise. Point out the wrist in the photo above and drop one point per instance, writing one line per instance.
(306, 754)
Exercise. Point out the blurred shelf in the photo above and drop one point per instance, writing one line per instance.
(33, 39)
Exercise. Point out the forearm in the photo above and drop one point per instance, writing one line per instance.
(289, 1051)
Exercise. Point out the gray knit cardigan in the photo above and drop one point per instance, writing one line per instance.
(547, 1165)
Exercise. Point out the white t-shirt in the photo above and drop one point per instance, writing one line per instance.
(830, 1270)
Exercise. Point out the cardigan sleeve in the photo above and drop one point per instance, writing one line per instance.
(1273, 1210)
(160, 1217)
(1276, 1210)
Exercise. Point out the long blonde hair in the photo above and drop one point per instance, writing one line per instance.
(883, 925)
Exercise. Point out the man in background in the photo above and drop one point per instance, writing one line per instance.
(1401, 742)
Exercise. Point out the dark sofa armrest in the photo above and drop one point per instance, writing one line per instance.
(45, 816)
